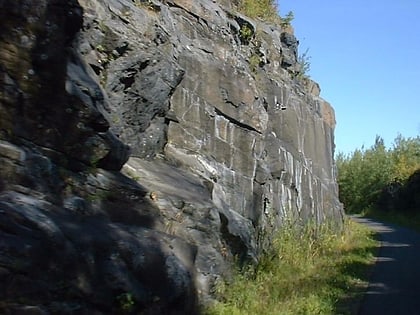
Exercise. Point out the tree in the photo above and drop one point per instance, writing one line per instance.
(365, 174)
(406, 157)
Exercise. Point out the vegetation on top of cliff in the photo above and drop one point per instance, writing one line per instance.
(318, 271)
(266, 10)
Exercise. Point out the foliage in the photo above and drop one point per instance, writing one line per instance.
(254, 62)
(364, 175)
(266, 10)
(147, 4)
(245, 34)
(263, 9)
(304, 63)
(126, 301)
(309, 271)
(287, 19)
(405, 157)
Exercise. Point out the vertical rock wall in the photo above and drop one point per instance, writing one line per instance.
(197, 85)
(227, 141)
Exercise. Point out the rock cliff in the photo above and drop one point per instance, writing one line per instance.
(144, 145)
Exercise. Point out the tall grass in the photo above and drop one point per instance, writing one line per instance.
(314, 271)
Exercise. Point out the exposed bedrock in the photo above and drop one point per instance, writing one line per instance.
(144, 147)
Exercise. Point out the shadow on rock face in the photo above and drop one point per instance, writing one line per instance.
(74, 239)
(49, 97)
(60, 260)
(86, 242)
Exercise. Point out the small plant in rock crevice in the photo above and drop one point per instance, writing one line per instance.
(304, 63)
(147, 4)
(287, 19)
(126, 301)
(245, 34)
(254, 62)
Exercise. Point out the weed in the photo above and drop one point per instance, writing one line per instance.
(304, 62)
(287, 19)
(308, 271)
(147, 4)
(245, 34)
(126, 301)
(131, 174)
(254, 62)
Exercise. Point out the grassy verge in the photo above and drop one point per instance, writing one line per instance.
(410, 220)
(307, 273)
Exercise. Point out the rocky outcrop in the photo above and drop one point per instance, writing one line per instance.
(219, 136)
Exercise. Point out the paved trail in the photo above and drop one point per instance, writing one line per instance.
(394, 287)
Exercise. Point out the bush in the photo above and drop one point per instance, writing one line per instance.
(371, 178)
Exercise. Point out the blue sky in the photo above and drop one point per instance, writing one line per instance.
(365, 54)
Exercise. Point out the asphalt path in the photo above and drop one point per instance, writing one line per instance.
(394, 286)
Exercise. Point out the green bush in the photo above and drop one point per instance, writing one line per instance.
(365, 174)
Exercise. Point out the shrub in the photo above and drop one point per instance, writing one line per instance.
(365, 176)
(245, 34)
(304, 64)
(286, 20)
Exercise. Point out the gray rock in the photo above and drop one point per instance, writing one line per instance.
(226, 144)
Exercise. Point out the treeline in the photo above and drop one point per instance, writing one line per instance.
(381, 179)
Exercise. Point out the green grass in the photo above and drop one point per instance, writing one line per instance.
(410, 220)
(308, 272)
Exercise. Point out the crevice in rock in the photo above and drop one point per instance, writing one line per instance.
(121, 50)
(235, 121)
(175, 5)
(128, 81)
(235, 243)
(144, 65)
(246, 31)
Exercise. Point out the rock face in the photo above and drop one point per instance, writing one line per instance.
(220, 138)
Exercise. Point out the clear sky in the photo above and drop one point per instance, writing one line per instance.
(365, 54)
